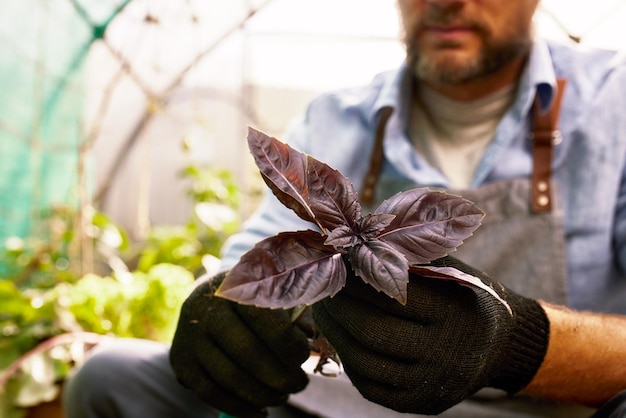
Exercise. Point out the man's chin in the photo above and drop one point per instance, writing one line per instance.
(448, 68)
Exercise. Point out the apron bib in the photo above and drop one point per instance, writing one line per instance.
(523, 250)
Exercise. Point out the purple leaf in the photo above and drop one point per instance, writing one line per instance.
(342, 237)
(450, 273)
(366, 228)
(428, 224)
(373, 224)
(381, 266)
(331, 196)
(286, 270)
(313, 190)
(283, 170)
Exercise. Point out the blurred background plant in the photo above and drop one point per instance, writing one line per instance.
(53, 311)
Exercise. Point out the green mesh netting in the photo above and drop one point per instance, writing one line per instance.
(43, 45)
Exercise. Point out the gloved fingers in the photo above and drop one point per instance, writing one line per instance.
(225, 401)
(426, 297)
(210, 362)
(276, 329)
(246, 351)
(423, 341)
(194, 377)
(207, 354)
(423, 397)
(434, 371)
(425, 294)
(381, 364)
(378, 330)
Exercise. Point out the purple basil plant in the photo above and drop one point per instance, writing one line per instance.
(404, 234)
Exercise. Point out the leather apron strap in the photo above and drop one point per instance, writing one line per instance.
(367, 193)
(545, 135)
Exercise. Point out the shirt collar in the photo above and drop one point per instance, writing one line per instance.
(538, 78)
(395, 92)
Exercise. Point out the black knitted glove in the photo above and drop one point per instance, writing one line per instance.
(237, 358)
(445, 344)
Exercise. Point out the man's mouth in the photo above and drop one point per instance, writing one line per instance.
(448, 32)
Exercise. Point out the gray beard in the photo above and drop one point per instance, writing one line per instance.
(492, 58)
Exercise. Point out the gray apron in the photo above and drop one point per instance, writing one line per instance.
(522, 249)
(521, 243)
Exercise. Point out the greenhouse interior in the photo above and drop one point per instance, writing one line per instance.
(124, 161)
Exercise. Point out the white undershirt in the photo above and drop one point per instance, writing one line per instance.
(453, 135)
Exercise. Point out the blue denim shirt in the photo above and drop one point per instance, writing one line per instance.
(588, 165)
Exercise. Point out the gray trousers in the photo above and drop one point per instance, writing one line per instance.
(133, 379)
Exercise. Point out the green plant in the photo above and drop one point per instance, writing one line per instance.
(214, 218)
(47, 331)
(80, 280)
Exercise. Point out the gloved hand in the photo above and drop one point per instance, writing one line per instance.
(446, 343)
(237, 358)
